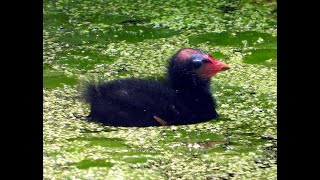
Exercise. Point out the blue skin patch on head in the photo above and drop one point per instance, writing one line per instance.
(196, 56)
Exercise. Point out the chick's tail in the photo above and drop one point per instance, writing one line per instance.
(90, 93)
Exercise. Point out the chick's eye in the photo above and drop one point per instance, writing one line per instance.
(197, 63)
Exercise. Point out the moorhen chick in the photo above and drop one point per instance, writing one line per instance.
(183, 97)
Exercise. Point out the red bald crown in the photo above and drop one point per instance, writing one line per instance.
(186, 53)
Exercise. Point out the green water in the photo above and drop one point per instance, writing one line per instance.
(262, 56)
(85, 164)
(53, 79)
(235, 39)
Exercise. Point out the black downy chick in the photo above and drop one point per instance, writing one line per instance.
(182, 98)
